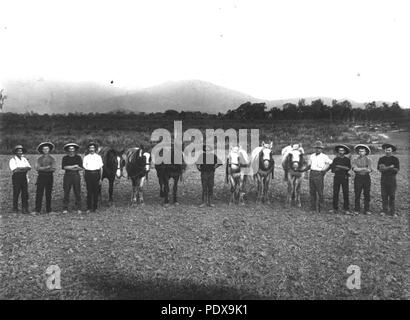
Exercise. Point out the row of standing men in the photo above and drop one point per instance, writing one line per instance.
(72, 164)
(319, 164)
(362, 167)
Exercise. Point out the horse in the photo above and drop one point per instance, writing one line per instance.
(137, 165)
(234, 173)
(263, 165)
(294, 165)
(166, 171)
(285, 152)
(113, 168)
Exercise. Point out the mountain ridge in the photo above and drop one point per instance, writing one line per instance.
(43, 96)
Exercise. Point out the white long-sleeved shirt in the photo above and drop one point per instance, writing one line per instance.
(17, 162)
(92, 162)
(318, 162)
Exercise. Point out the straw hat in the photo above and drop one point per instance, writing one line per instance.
(362, 146)
(45, 144)
(71, 144)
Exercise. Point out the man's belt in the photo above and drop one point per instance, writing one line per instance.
(45, 173)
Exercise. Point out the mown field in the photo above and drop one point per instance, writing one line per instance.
(186, 252)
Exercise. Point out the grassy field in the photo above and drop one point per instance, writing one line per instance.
(186, 252)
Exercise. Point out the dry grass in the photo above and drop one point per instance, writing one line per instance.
(257, 252)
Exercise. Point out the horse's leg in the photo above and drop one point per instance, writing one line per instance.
(237, 190)
(175, 190)
(267, 180)
(232, 189)
(264, 189)
(285, 177)
(161, 184)
(110, 190)
(241, 186)
(259, 184)
(166, 190)
(204, 188)
(134, 187)
(140, 191)
(289, 197)
(297, 197)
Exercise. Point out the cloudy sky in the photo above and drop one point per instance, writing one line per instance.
(269, 49)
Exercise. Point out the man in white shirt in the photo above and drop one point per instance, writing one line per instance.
(93, 165)
(318, 164)
(19, 165)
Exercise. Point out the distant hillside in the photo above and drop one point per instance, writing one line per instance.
(188, 95)
(43, 96)
(55, 97)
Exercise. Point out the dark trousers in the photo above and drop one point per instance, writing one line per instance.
(207, 180)
(362, 183)
(92, 180)
(316, 189)
(19, 180)
(44, 183)
(72, 180)
(341, 181)
(388, 187)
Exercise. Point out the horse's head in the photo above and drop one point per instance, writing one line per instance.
(295, 159)
(238, 157)
(266, 155)
(147, 159)
(119, 163)
(138, 162)
(113, 161)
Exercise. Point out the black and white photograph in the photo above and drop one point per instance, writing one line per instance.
(216, 151)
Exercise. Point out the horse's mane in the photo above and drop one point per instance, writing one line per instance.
(105, 152)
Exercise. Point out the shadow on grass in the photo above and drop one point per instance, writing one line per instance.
(111, 286)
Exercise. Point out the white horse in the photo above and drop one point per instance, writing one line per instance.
(262, 167)
(295, 165)
(237, 161)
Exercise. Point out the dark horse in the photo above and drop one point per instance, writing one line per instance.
(166, 171)
(113, 166)
(295, 165)
(137, 164)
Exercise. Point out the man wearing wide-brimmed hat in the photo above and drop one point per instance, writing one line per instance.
(207, 164)
(45, 166)
(362, 167)
(318, 164)
(388, 165)
(93, 165)
(340, 167)
(19, 165)
(72, 163)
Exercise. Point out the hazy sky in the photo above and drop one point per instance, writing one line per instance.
(269, 49)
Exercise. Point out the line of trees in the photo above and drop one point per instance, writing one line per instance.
(317, 109)
(339, 111)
